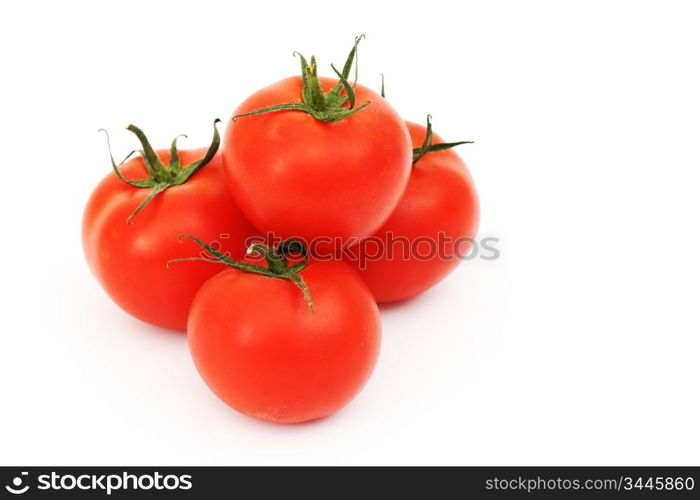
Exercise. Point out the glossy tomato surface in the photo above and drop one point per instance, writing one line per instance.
(298, 177)
(420, 243)
(130, 260)
(261, 349)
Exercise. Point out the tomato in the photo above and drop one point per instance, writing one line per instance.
(128, 251)
(286, 346)
(432, 226)
(311, 157)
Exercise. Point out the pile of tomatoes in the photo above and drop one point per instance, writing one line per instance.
(237, 243)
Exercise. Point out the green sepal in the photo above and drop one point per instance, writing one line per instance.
(156, 190)
(161, 176)
(327, 108)
(349, 91)
(274, 256)
(428, 146)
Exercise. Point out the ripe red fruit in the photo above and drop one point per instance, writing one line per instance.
(132, 222)
(311, 157)
(284, 342)
(438, 210)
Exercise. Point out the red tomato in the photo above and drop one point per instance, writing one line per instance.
(130, 259)
(262, 350)
(305, 172)
(438, 208)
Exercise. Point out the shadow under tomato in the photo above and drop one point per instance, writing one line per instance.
(249, 420)
(399, 304)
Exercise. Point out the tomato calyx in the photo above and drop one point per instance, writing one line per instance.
(277, 267)
(327, 108)
(161, 176)
(429, 147)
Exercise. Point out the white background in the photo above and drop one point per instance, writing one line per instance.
(579, 346)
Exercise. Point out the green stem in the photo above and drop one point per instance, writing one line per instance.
(429, 147)
(334, 106)
(160, 176)
(276, 261)
(275, 257)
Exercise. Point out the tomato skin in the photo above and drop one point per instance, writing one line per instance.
(130, 260)
(261, 350)
(297, 177)
(440, 198)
